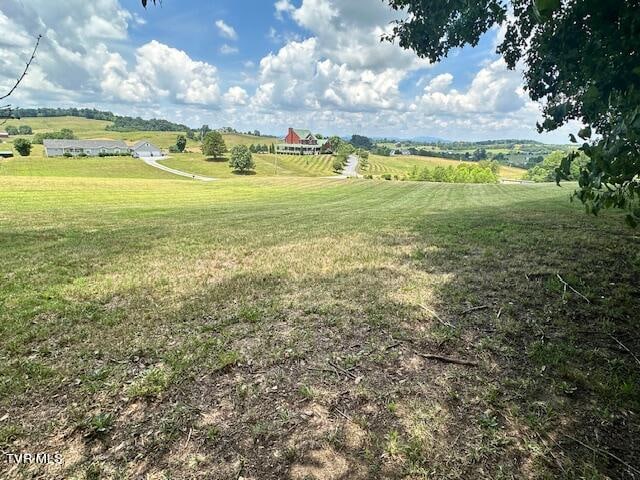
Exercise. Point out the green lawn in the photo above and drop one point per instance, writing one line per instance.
(267, 165)
(274, 327)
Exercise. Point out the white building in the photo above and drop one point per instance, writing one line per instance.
(143, 148)
(90, 148)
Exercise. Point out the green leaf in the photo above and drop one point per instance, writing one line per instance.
(585, 133)
(547, 7)
(572, 138)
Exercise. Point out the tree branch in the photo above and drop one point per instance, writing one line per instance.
(24, 73)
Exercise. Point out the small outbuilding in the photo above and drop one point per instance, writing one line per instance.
(144, 148)
(6, 154)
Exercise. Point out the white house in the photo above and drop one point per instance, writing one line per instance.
(144, 148)
(90, 148)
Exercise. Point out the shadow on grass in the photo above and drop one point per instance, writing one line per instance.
(287, 370)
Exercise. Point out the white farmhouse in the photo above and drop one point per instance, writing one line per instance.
(90, 148)
(144, 148)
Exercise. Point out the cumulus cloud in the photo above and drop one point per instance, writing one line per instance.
(236, 96)
(494, 89)
(161, 72)
(226, 31)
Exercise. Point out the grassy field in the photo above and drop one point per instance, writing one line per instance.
(266, 165)
(96, 129)
(280, 328)
(401, 165)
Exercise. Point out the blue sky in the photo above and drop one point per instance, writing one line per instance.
(261, 64)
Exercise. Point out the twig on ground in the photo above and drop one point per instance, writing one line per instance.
(626, 349)
(566, 285)
(436, 316)
(604, 452)
(342, 414)
(345, 372)
(440, 358)
(499, 313)
(474, 309)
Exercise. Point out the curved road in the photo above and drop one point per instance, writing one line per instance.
(153, 162)
(350, 170)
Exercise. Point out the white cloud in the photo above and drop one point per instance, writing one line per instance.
(226, 31)
(494, 90)
(282, 7)
(228, 49)
(236, 96)
(161, 73)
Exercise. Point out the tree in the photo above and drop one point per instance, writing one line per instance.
(241, 160)
(22, 146)
(11, 130)
(360, 141)
(213, 145)
(203, 131)
(581, 61)
(334, 143)
(191, 135)
(181, 143)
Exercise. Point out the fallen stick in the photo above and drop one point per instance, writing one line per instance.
(566, 285)
(474, 309)
(625, 348)
(436, 316)
(604, 452)
(457, 361)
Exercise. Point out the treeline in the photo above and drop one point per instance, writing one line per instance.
(463, 173)
(120, 123)
(90, 113)
(137, 124)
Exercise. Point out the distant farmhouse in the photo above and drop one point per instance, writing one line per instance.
(4, 135)
(96, 148)
(302, 142)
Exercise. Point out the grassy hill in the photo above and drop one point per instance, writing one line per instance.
(286, 327)
(402, 164)
(93, 129)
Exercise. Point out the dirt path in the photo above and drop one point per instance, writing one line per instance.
(153, 162)
(350, 170)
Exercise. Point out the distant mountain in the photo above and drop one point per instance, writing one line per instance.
(428, 139)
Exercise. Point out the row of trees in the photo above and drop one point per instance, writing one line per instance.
(463, 173)
(64, 134)
(21, 130)
(131, 124)
(545, 171)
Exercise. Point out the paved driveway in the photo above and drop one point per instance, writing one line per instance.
(153, 162)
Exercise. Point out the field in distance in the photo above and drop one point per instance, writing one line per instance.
(191, 161)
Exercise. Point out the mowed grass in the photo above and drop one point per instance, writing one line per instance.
(401, 165)
(267, 165)
(37, 165)
(274, 327)
(96, 129)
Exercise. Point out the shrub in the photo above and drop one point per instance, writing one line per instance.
(11, 130)
(22, 146)
(386, 176)
(67, 154)
(174, 149)
(241, 159)
(25, 130)
(338, 165)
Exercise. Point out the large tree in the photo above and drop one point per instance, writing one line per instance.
(581, 60)
(213, 145)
